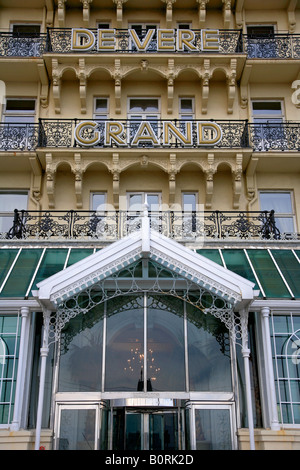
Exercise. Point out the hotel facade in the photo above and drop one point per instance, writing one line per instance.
(149, 225)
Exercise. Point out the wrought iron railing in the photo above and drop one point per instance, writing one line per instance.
(60, 133)
(112, 225)
(59, 41)
(19, 45)
(273, 46)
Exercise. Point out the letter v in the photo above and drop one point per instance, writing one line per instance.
(141, 46)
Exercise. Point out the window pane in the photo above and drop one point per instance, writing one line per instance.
(9, 349)
(213, 429)
(98, 201)
(77, 254)
(267, 273)
(143, 105)
(125, 344)
(165, 351)
(77, 429)
(189, 202)
(208, 352)
(6, 259)
(279, 202)
(290, 269)
(285, 348)
(53, 262)
(186, 105)
(81, 353)
(101, 105)
(211, 254)
(21, 276)
(237, 262)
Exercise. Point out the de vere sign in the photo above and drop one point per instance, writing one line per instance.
(160, 134)
(166, 40)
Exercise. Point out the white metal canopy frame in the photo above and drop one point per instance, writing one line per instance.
(123, 268)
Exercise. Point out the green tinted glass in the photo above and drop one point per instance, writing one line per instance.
(52, 262)
(267, 274)
(77, 254)
(237, 262)
(6, 259)
(290, 269)
(21, 276)
(213, 255)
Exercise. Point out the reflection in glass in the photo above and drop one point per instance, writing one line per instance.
(208, 352)
(163, 431)
(206, 340)
(125, 344)
(165, 352)
(212, 429)
(81, 353)
(77, 431)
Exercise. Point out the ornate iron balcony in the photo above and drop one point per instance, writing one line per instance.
(112, 225)
(61, 133)
(20, 45)
(273, 46)
(59, 41)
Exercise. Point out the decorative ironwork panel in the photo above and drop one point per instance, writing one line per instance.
(274, 136)
(274, 46)
(14, 45)
(56, 133)
(14, 136)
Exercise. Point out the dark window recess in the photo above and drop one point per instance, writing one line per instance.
(20, 105)
(26, 30)
(256, 32)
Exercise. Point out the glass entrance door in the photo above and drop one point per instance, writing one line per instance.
(145, 430)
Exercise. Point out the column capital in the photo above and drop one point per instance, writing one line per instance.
(24, 311)
(265, 311)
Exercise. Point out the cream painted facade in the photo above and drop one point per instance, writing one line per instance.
(249, 84)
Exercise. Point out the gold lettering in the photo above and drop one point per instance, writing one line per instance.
(185, 37)
(145, 133)
(92, 136)
(165, 40)
(82, 39)
(208, 133)
(113, 129)
(106, 39)
(209, 40)
(141, 45)
(169, 128)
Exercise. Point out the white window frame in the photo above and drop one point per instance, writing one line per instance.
(282, 215)
(142, 113)
(29, 115)
(9, 215)
(277, 375)
(17, 23)
(94, 193)
(97, 115)
(13, 357)
(268, 117)
(181, 113)
(144, 195)
(193, 193)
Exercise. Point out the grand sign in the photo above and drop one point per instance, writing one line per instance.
(164, 40)
(134, 134)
